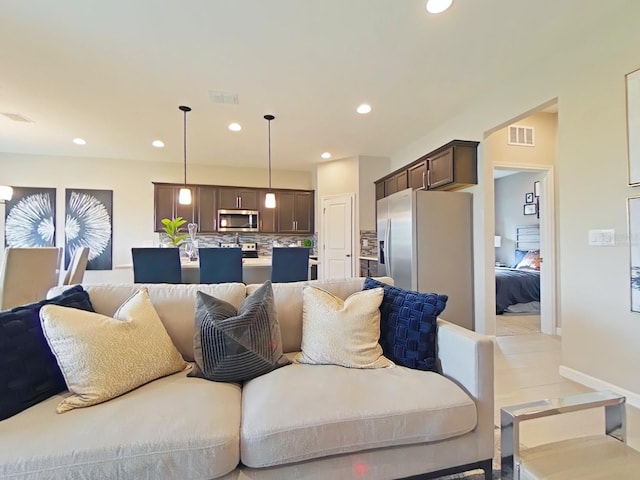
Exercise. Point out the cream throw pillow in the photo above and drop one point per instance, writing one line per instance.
(341, 332)
(102, 357)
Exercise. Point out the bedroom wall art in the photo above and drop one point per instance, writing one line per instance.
(30, 218)
(633, 125)
(633, 217)
(88, 223)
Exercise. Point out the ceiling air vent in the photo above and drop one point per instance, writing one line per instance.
(16, 117)
(226, 98)
(519, 135)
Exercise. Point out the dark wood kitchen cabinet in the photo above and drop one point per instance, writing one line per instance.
(295, 211)
(450, 167)
(267, 217)
(167, 206)
(238, 198)
(207, 209)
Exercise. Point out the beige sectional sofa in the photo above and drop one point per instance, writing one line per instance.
(299, 421)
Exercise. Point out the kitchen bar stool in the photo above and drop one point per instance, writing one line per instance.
(220, 265)
(156, 265)
(289, 264)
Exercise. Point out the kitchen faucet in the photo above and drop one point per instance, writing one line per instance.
(237, 239)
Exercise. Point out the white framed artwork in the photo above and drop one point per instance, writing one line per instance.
(633, 125)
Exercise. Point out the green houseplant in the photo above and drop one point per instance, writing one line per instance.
(172, 227)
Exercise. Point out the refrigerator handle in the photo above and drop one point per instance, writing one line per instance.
(387, 236)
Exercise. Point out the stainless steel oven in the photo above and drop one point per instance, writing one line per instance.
(237, 220)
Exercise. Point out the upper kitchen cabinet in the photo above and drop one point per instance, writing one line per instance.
(295, 211)
(267, 217)
(207, 209)
(450, 167)
(238, 198)
(395, 183)
(167, 206)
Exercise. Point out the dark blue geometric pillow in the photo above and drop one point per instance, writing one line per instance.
(29, 372)
(408, 325)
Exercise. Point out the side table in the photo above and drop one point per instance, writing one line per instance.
(599, 457)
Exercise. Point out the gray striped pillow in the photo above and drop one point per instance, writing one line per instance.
(232, 346)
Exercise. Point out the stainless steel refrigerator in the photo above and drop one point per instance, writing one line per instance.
(425, 243)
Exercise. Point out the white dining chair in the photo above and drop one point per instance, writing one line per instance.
(27, 274)
(77, 266)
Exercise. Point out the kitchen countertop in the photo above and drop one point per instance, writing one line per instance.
(373, 259)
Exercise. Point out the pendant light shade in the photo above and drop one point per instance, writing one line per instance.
(270, 197)
(184, 196)
(6, 192)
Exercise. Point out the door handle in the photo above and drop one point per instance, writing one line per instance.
(424, 176)
(347, 255)
(387, 250)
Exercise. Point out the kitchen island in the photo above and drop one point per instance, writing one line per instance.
(254, 270)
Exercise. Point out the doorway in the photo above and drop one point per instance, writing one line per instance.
(531, 202)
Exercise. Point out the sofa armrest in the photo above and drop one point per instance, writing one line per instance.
(466, 357)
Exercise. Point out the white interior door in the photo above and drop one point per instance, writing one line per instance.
(337, 236)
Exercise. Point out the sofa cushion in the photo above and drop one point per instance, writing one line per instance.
(288, 304)
(29, 372)
(408, 325)
(335, 410)
(103, 357)
(234, 346)
(175, 305)
(341, 332)
(174, 427)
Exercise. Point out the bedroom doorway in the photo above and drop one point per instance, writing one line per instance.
(522, 154)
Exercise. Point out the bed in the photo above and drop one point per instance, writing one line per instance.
(518, 287)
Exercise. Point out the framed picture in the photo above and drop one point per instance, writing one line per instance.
(528, 198)
(633, 125)
(89, 223)
(530, 209)
(633, 220)
(30, 218)
(536, 189)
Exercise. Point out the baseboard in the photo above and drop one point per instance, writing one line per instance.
(633, 399)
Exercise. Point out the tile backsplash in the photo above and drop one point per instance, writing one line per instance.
(368, 237)
(265, 241)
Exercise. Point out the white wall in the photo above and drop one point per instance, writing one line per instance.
(509, 207)
(132, 192)
(599, 333)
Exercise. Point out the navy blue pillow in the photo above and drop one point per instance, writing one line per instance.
(29, 372)
(408, 325)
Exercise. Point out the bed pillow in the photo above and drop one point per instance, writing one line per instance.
(103, 357)
(408, 325)
(531, 261)
(518, 256)
(341, 332)
(29, 372)
(235, 346)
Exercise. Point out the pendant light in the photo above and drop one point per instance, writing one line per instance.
(270, 197)
(184, 197)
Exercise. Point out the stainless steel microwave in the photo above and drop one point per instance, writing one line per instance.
(238, 220)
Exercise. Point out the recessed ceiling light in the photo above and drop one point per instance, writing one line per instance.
(438, 6)
(158, 143)
(364, 108)
(235, 127)
(326, 155)
(79, 141)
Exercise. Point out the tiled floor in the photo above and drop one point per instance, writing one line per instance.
(526, 369)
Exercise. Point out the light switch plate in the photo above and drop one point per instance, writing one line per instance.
(602, 238)
(365, 242)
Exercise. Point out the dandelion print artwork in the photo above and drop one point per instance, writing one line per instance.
(88, 223)
(30, 218)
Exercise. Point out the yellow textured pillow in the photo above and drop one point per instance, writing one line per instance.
(341, 332)
(102, 357)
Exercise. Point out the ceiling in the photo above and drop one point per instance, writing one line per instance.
(114, 72)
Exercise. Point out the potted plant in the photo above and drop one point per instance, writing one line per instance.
(172, 227)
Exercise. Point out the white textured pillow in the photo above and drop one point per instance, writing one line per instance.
(342, 332)
(103, 357)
